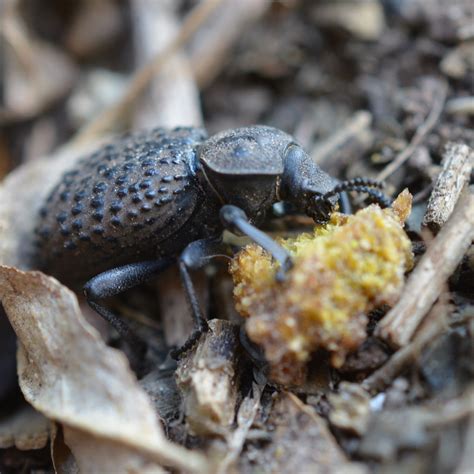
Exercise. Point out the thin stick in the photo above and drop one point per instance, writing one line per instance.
(357, 126)
(434, 324)
(425, 283)
(142, 78)
(420, 134)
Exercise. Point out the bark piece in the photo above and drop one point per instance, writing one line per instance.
(457, 165)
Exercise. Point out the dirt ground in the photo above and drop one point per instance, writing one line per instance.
(380, 89)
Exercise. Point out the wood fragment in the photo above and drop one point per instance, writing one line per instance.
(245, 418)
(209, 380)
(364, 20)
(457, 164)
(421, 133)
(425, 283)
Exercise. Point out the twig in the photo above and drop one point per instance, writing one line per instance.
(172, 97)
(142, 78)
(425, 283)
(422, 131)
(434, 324)
(356, 128)
(457, 165)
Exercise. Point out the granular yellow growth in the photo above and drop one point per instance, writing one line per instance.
(341, 271)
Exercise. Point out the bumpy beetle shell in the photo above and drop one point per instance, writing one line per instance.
(121, 204)
(256, 150)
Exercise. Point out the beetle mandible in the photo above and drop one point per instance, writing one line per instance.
(130, 209)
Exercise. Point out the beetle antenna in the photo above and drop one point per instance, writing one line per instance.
(354, 185)
(360, 185)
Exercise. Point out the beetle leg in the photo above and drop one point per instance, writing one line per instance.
(115, 281)
(345, 203)
(235, 218)
(196, 255)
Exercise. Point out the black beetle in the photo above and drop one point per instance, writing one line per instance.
(134, 206)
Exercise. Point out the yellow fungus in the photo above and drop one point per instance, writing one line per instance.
(341, 271)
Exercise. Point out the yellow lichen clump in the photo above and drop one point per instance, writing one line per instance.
(341, 272)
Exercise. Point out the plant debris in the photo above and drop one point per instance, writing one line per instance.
(371, 88)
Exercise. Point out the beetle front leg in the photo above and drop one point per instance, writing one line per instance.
(196, 255)
(235, 218)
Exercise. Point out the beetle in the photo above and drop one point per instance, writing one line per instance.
(136, 205)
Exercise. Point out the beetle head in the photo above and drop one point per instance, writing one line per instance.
(244, 166)
(304, 183)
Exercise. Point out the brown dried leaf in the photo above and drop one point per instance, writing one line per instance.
(67, 373)
(99, 455)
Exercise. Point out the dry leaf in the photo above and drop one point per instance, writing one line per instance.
(68, 373)
(298, 441)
